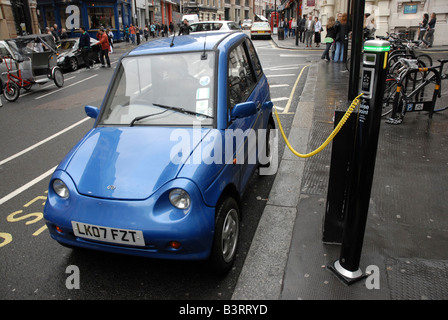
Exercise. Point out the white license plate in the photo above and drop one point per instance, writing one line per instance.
(114, 235)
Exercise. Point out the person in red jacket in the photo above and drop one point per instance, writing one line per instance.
(105, 46)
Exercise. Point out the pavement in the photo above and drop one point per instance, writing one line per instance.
(404, 254)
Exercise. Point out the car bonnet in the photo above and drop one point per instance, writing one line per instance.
(129, 163)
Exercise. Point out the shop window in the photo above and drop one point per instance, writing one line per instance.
(101, 17)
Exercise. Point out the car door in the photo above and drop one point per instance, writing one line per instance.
(241, 82)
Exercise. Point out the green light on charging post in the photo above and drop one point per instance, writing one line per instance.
(377, 48)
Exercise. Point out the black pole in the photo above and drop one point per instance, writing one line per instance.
(357, 38)
(362, 166)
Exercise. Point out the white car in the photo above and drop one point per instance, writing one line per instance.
(247, 24)
(214, 26)
(260, 30)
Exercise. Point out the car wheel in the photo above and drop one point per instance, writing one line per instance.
(73, 64)
(227, 228)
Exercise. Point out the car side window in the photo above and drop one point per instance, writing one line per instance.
(241, 80)
(254, 58)
(233, 26)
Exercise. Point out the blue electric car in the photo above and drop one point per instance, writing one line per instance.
(162, 171)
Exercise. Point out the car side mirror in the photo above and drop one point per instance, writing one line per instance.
(92, 112)
(268, 105)
(244, 109)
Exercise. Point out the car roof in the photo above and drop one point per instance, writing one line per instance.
(195, 41)
(213, 21)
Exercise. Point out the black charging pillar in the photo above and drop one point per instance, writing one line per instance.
(362, 165)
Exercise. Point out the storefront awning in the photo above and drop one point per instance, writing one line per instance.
(262, 18)
(289, 3)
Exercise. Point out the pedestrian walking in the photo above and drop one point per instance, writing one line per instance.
(104, 45)
(429, 37)
(126, 33)
(317, 31)
(423, 26)
(309, 31)
(341, 38)
(132, 33)
(185, 28)
(329, 38)
(110, 36)
(84, 46)
(146, 33)
(301, 28)
(286, 27)
(370, 28)
(293, 27)
(137, 35)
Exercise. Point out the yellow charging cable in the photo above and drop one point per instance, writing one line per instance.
(347, 114)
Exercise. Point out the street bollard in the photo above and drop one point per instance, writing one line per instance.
(362, 166)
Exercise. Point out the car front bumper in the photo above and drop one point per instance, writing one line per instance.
(160, 222)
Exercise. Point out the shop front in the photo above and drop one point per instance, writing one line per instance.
(113, 14)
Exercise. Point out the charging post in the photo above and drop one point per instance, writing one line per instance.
(362, 165)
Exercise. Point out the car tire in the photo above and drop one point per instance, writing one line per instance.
(225, 242)
(73, 63)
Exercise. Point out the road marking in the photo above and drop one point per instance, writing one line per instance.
(45, 87)
(288, 105)
(278, 85)
(43, 141)
(27, 186)
(54, 91)
(281, 75)
(285, 66)
(279, 99)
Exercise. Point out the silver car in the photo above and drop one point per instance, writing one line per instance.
(214, 26)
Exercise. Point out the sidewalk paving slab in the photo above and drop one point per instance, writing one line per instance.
(407, 228)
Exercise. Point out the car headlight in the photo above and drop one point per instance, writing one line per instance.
(60, 188)
(180, 198)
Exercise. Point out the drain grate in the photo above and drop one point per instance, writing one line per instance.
(417, 279)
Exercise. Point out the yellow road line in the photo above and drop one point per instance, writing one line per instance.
(288, 105)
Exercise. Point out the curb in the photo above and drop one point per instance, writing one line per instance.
(268, 254)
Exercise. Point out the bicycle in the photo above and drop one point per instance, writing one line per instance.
(392, 80)
(413, 99)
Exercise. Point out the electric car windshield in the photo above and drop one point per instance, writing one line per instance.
(162, 89)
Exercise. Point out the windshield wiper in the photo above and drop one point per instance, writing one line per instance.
(144, 117)
(182, 110)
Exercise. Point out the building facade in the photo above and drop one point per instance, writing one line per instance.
(32, 16)
(390, 15)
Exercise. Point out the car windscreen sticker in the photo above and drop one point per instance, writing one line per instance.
(202, 107)
(203, 93)
(204, 81)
